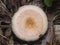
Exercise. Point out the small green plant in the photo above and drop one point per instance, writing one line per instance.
(48, 3)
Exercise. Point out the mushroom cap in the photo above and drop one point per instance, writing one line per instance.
(29, 22)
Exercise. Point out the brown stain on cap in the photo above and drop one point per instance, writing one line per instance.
(30, 23)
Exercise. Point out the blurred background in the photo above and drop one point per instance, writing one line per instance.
(50, 7)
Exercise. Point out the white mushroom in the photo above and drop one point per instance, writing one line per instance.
(29, 22)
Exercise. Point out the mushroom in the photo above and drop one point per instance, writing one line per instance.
(29, 22)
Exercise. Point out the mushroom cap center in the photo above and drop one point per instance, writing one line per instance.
(30, 23)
